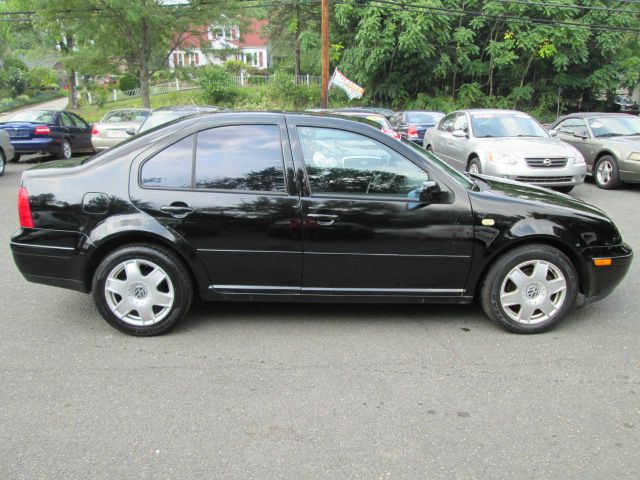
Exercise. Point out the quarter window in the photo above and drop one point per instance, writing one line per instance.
(346, 163)
(240, 157)
(170, 168)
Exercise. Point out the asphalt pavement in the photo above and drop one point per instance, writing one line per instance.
(277, 391)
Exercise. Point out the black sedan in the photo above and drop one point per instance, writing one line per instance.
(56, 132)
(412, 124)
(298, 207)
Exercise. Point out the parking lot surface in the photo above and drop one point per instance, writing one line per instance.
(267, 391)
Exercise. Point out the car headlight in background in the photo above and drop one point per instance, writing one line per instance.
(502, 158)
(578, 159)
(634, 156)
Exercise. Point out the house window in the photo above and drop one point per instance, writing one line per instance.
(260, 60)
(197, 58)
(175, 59)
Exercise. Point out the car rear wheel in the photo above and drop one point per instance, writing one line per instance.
(474, 166)
(3, 162)
(65, 151)
(529, 289)
(607, 174)
(142, 289)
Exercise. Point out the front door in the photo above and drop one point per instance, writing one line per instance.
(225, 190)
(365, 231)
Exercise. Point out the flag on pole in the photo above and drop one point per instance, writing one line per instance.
(352, 89)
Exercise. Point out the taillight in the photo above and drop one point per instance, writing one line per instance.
(24, 209)
(41, 130)
(94, 131)
(412, 131)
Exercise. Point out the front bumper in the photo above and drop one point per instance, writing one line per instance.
(599, 282)
(566, 176)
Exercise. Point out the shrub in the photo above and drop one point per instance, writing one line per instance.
(217, 85)
(129, 82)
(40, 78)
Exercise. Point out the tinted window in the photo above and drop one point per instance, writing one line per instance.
(571, 126)
(125, 116)
(424, 117)
(170, 168)
(79, 121)
(340, 162)
(240, 157)
(66, 120)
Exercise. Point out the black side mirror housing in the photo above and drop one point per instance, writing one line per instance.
(130, 131)
(430, 192)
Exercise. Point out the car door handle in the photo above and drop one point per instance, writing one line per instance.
(178, 211)
(323, 218)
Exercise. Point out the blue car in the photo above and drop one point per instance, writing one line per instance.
(42, 132)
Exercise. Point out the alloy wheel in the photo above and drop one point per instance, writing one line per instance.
(139, 292)
(604, 172)
(533, 291)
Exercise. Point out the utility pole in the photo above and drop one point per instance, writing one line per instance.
(324, 100)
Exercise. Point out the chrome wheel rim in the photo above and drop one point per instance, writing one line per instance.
(139, 292)
(2, 162)
(66, 150)
(533, 292)
(473, 168)
(603, 172)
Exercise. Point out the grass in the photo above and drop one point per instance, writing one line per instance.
(93, 113)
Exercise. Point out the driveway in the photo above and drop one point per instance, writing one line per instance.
(57, 104)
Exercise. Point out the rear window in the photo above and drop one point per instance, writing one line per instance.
(424, 117)
(160, 118)
(35, 116)
(125, 116)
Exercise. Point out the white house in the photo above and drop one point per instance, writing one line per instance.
(215, 44)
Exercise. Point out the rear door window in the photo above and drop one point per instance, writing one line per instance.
(171, 167)
(240, 157)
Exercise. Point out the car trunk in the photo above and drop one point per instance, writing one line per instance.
(19, 130)
(116, 130)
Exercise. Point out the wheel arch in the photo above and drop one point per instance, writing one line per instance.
(109, 244)
(551, 241)
(472, 156)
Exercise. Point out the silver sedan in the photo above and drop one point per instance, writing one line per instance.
(506, 143)
(6, 151)
(112, 129)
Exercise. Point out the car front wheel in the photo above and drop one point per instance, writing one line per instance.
(607, 174)
(530, 289)
(474, 166)
(142, 289)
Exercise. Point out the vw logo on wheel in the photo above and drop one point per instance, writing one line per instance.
(532, 291)
(547, 162)
(139, 292)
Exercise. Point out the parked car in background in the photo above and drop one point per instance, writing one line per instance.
(412, 124)
(372, 116)
(163, 115)
(609, 142)
(42, 132)
(112, 129)
(509, 144)
(6, 151)
(296, 207)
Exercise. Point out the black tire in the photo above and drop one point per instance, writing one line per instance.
(15, 159)
(499, 277)
(474, 163)
(176, 283)
(65, 151)
(606, 173)
(3, 163)
(564, 189)
(429, 148)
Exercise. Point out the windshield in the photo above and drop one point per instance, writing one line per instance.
(424, 117)
(158, 118)
(35, 116)
(491, 125)
(614, 126)
(125, 116)
(439, 164)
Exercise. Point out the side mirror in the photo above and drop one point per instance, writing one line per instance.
(130, 131)
(553, 133)
(459, 134)
(429, 192)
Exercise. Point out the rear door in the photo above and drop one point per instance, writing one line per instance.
(442, 135)
(228, 190)
(83, 132)
(365, 233)
(72, 131)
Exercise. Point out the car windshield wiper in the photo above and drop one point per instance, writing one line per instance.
(525, 135)
(485, 136)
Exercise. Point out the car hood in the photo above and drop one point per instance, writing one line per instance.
(631, 142)
(530, 147)
(507, 190)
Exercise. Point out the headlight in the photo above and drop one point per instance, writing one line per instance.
(578, 159)
(635, 156)
(502, 158)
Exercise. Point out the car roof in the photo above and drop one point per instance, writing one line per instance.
(596, 114)
(496, 111)
(188, 108)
